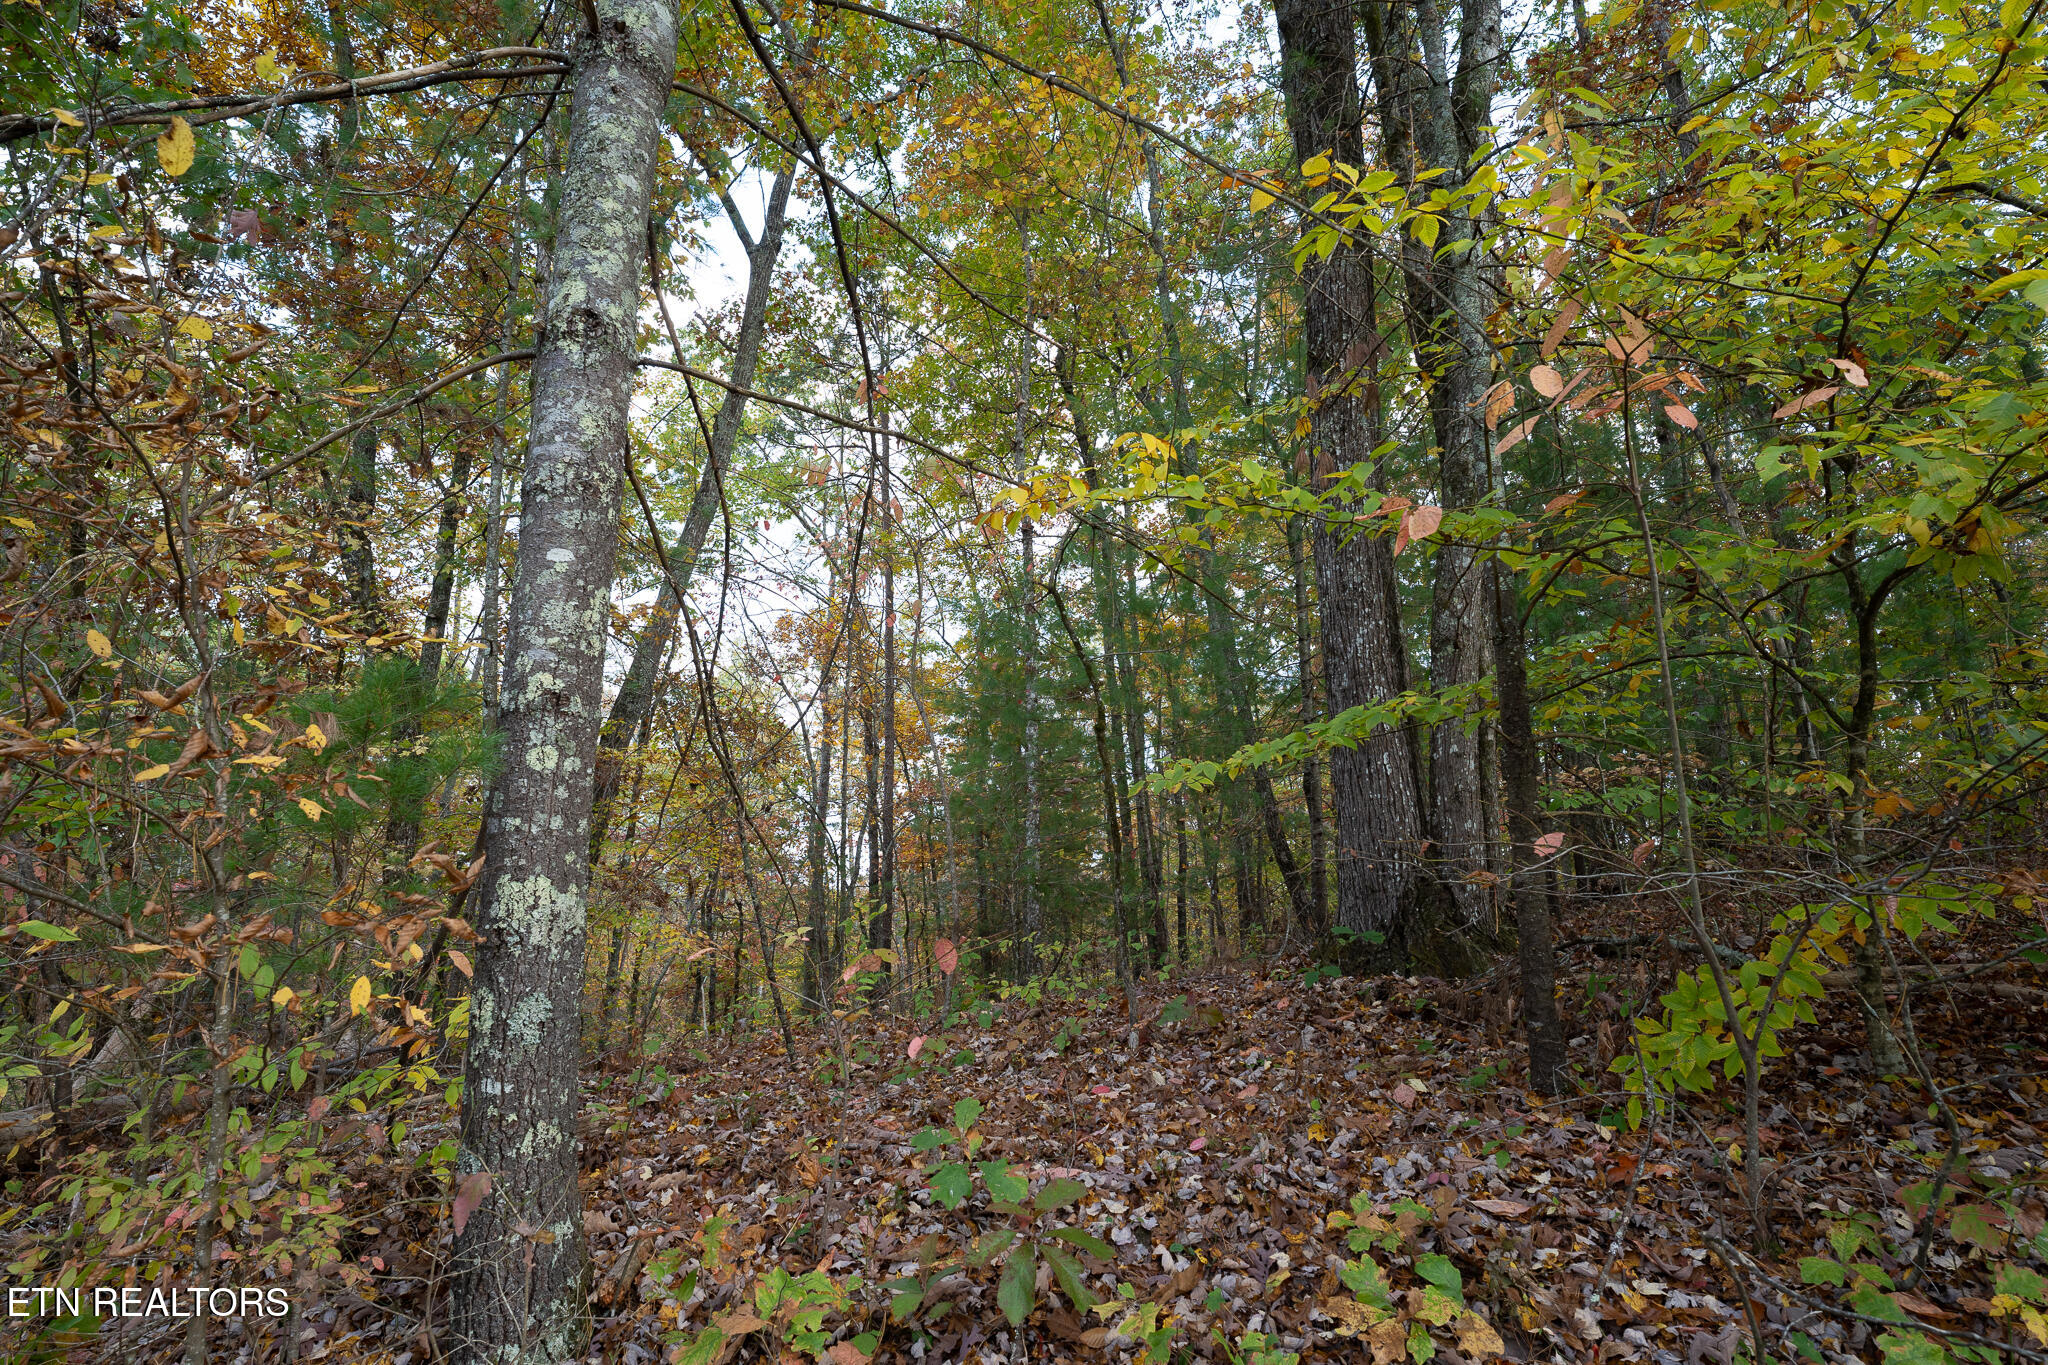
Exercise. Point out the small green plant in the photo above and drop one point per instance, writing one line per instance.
(1031, 1238)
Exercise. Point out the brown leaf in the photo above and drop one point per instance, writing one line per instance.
(1681, 414)
(738, 1323)
(846, 1353)
(1546, 380)
(1503, 1208)
(1918, 1306)
(1403, 1096)
(1852, 372)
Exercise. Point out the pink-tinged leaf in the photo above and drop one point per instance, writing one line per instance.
(1103, 1090)
(1549, 843)
(1198, 1144)
(1692, 380)
(1394, 506)
(1808, 400)
(1566, 316)
(1546, 380)
(1516, 434)
(1852, 372)
(1681, 414)
(916, 1046)
(703, 952)
(1404, 1096)
(1554, 262)
(946, 955)
(1423, 521)
(461, 961)
(1640, 855)
(1250, 1092)
(846, 1353)
(468, 1196)
(318, 1107)
(245, 224)
(1503, 1208)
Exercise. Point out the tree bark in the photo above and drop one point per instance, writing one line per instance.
(521, 1265)
(1372, 786)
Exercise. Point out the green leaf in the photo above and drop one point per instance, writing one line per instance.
(1439, 1271)
(1087, 1241)
(1057, 1194)
(1002, 1185)
(1421, 1349)
(952, 1183)
(1875, 1303)
(55, 933)
(1820, 1270)
(907, 1296)
(1911, 1348)
(2021, 1283)
(1067, 1271)
(1018, 1292)
(930, 1138)
(965, 1112)
(990, 1245)
(1364, 1278)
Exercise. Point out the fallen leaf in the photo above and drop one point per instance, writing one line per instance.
(1503, 1208)
(916, 1046)
(1404, 1096)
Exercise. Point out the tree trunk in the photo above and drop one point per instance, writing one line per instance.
(1311, 767)
(521, 1266)
(1432, 118)
(1372, 785)
(636, 689)
(1523, 797)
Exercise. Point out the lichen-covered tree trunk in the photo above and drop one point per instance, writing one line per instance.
(521, 1265)
(1372, 786)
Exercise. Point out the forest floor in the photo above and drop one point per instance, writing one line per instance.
(1212, 1139)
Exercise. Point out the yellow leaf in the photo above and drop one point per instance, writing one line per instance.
(198, 328)
(267, 67)
(1476, 1338)
(284, 996)
(174, 148)
(359, 995)
(312, 808)
(99, 644)
(1262, 200)
(67, 118)
(151, 774)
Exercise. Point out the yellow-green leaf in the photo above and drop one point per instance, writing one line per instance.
(67, 118)
(197, 328)
(151, 774)
(359, 995)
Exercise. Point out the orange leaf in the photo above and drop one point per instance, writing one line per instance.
(1681, 414)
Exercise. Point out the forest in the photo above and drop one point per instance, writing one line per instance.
(895, 681)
